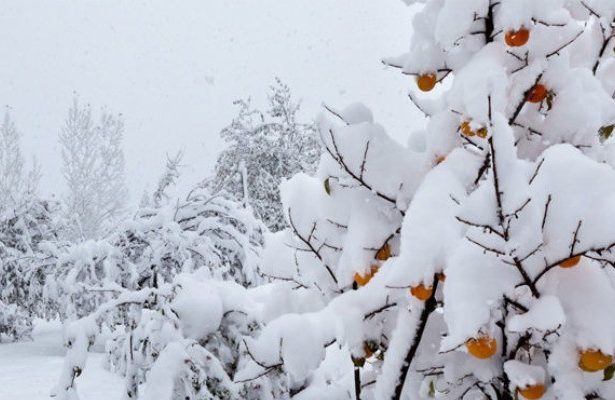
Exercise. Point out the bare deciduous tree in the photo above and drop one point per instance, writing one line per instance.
(15, 182)
(93, 168)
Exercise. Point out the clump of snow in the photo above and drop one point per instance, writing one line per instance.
(545, 314)
(161, 378)
(199, 309)
(522, 375)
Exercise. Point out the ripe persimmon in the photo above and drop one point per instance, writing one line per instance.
(570, 262)
(383, 253)
(426, 82)
(362, 280)
(482, 132)
(466, 129)
(594, 360)
(517, 38)
(538, 93)
(533, 392)
(421, 292)
(482, 347)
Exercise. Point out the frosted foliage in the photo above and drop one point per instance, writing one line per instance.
(263, 149)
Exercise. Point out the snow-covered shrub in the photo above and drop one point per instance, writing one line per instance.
(25, 221)
(263, 149)
(166, 293)
(497, 217)
(23, 230)
(154, 246)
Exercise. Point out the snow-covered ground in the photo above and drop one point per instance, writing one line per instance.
(29, 370)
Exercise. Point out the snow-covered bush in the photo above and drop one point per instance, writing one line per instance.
(184, 339)
(23, 230)
(263, 149)
(25, 222)
(497, 217)
(166, 294)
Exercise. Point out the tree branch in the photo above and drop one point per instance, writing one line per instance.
(430, 306)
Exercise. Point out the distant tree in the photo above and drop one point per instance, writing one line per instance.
(23, 231)
(15, 182)
(264, 148)
(167, 180)
(25, 221)
(93, 168)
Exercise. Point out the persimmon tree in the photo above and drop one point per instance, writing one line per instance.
(501, 276)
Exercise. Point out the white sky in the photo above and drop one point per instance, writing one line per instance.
(173, 69)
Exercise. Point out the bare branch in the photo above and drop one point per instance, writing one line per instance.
(310, 246)
(364, 159)
(488, 228)
(544, 217)
(336, 155)
(535, 174)
(562, 47)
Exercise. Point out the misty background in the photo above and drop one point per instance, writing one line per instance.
(173, 70)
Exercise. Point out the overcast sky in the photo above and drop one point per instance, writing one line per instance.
(173, 69)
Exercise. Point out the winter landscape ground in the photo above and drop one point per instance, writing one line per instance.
(29, 369)
(463, 250)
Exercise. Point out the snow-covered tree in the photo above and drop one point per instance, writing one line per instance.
(497, 217)
(16, 184)
(25, 221)
(24, 229)
(94, 170)
(344, 225)
(167, 180)
(263, 149)
(168, 291)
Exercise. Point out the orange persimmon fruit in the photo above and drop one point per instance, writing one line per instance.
(594, 360)
(482, 347)
(570, 262)
(426, 82)
(362, 280)
(383, 253)
(421, 292)
(533, 392)
(517, 38)
(538, 93)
